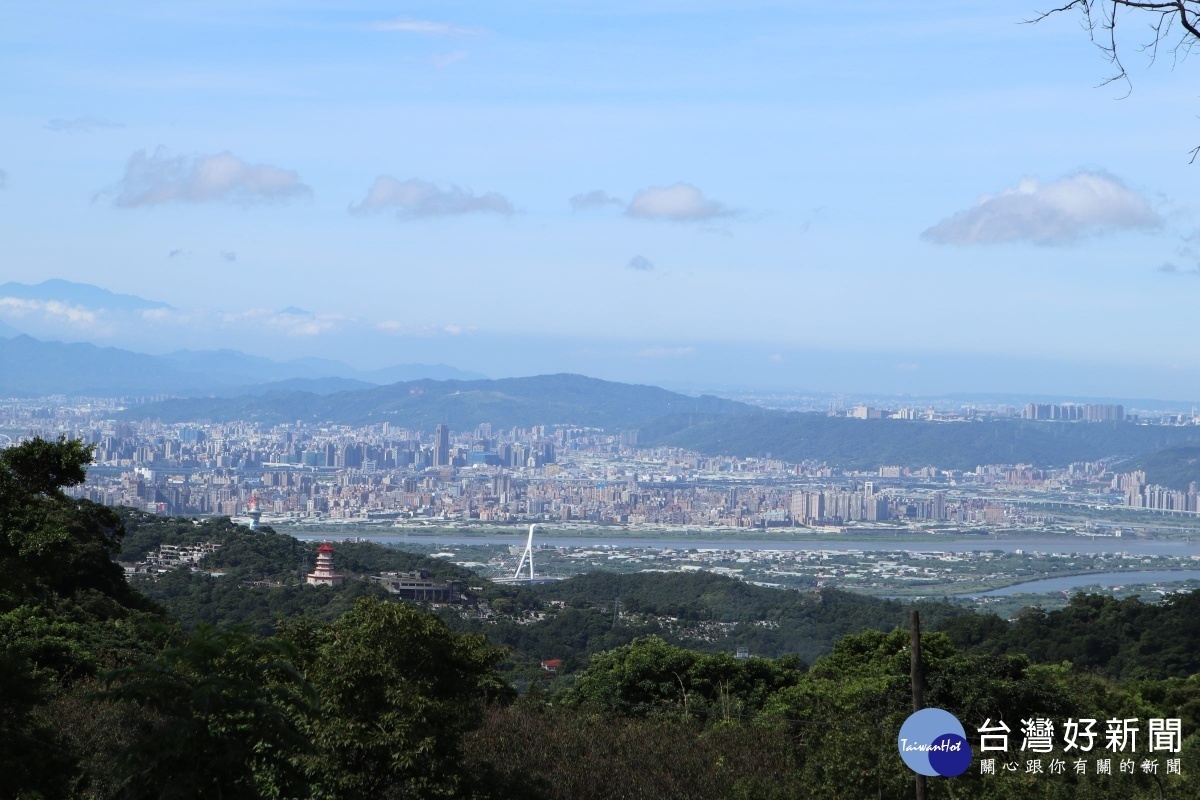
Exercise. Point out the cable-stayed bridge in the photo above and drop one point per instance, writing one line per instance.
(525, 571)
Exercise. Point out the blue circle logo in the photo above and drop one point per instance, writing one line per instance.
(933, 742)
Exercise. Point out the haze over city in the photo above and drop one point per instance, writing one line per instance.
(927, 198)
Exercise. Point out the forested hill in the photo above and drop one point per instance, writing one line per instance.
(859, 443)
(538, 400)
(705, 611)
(1122, 639)
(262, 572)
(1176, 467)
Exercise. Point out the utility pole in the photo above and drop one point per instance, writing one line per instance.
(914, 671)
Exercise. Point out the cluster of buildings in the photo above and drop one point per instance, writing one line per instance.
(837, 505)
(1073, 412)
(301, 472)
(1063, 412)
(1138, 494)
(169, 557)
(247, 446)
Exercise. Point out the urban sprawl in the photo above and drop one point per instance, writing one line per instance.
(310, 473)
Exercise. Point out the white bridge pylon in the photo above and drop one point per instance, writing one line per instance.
(528, 554)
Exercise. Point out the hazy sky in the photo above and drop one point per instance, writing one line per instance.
(649, 180)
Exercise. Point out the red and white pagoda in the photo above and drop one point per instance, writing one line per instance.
(324, 575)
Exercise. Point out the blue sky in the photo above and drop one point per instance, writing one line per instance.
(755, 183)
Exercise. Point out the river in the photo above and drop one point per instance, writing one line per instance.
(1080, 544)
(1106, 579)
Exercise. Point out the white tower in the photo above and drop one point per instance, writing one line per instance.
(254, 514)
(527, 554)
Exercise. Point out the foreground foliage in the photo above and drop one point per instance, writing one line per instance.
(103, 695)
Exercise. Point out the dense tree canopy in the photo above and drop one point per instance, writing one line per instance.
(344, 693)
(397, 691)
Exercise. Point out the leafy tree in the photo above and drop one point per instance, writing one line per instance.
(650, 676)
(398, 690)
(1118, 638)
(55, 545)
(66, 610)
(30, 763)
(195, 599)
(846, 710)
(535, 752)
(230, 709)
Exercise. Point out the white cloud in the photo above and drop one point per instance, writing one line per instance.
(640, 263)
(3, 179)
(666, 352)
(77, 316)
(1058, 212)
(229, 255)
(425, 27)
(679, 202)
(596, 198)
(80, 125)
(154, 179)
(415, 198)
(396, 328)
(290, 321)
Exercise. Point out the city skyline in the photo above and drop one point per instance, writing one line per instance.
(710, 195)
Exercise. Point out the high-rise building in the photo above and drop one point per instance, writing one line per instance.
(939, 505)
(816, 506)
(441, 446)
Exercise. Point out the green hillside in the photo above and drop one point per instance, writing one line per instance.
(857, 443)
(1176, 467)
(701, 611)
(262, 572)
(539, 400)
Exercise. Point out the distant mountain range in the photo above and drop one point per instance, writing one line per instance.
(226, 385)
(66, 310)
(422, 404)
(79, 294)
(30, 367)
(237, 373)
